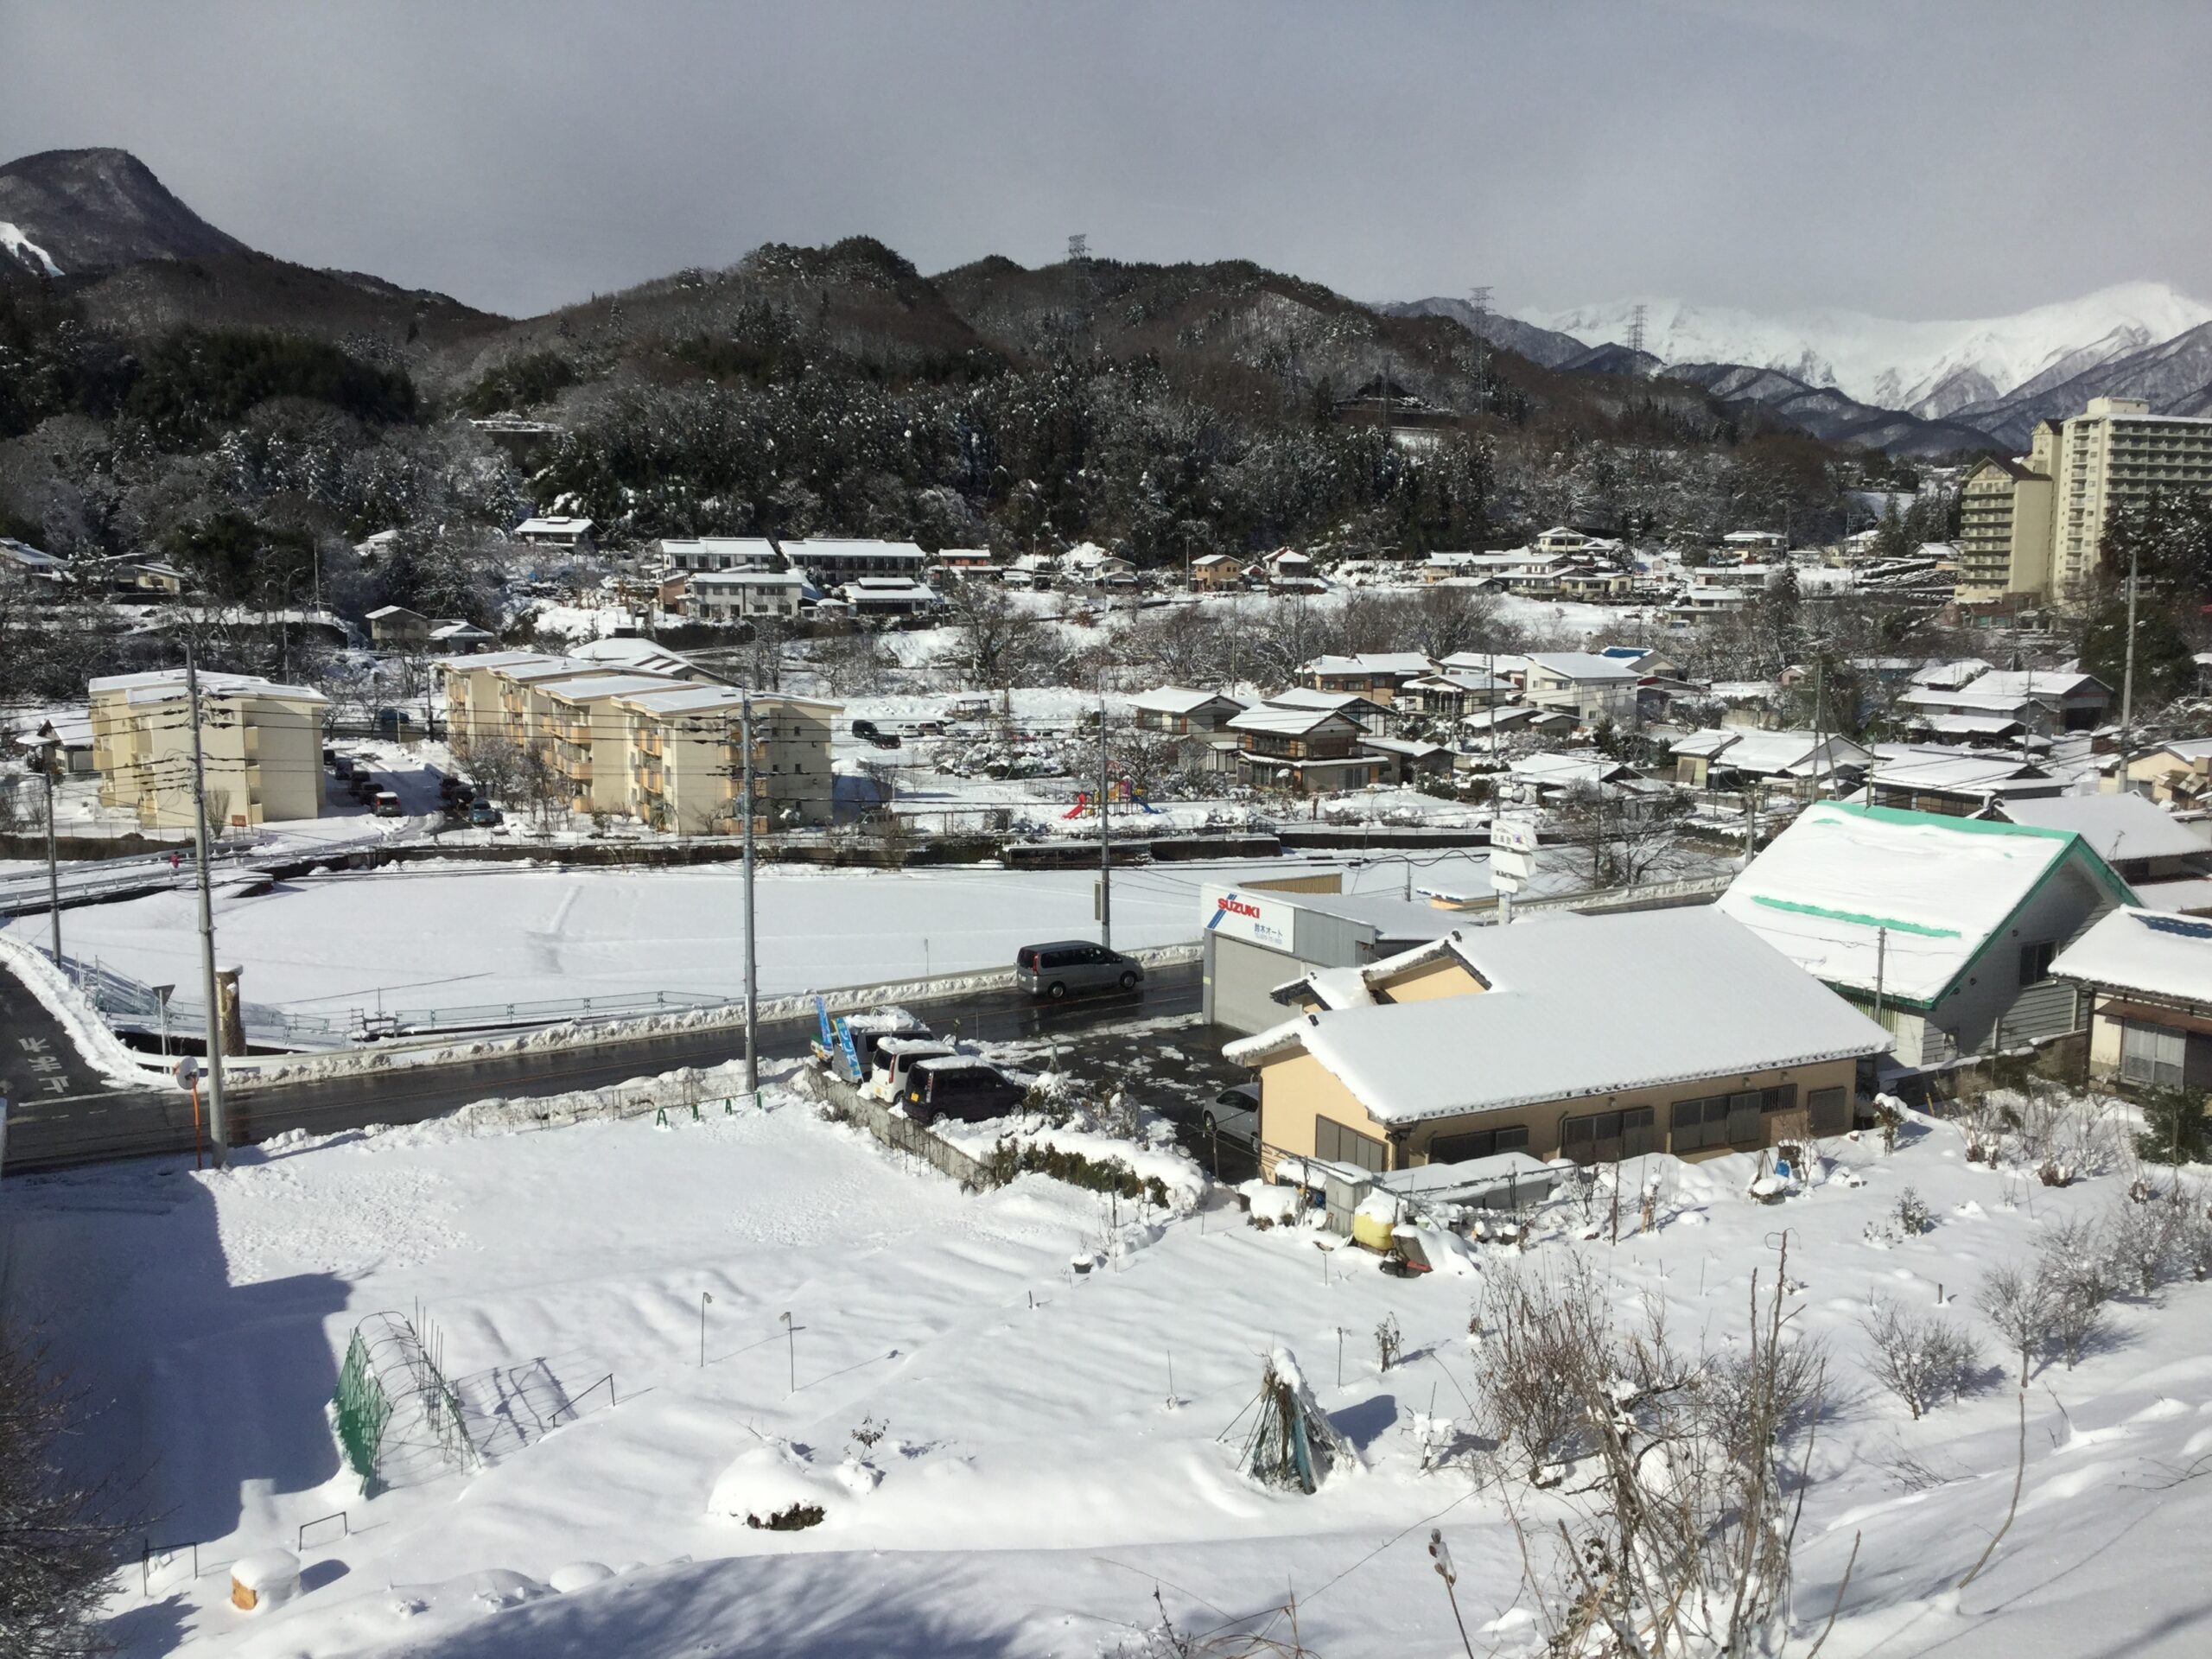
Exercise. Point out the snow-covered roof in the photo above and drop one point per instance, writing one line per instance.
(1581, 665)
(31, 558)
(724, 547)
(1406, 746)
(1459, 680)
(1955, 771)
(1970, 725)
(1178, 700)
(552, 526)
(850, 547)
(1285, 723)
(590, 686)
(2192, 893)
(1598, 1007)
(1408, 663)
(1853, 894)
(501, 660)
(643, 655)
(158, 685)
(2115, 826)
(2151, 951)
(1590, 767)
(2190, 749)
(393, 610)
(448, 632)
(2025, 682)
(1345, 703)
(1950, 675)
(1798, 754)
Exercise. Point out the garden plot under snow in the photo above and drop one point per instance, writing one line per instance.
(1008, 1456)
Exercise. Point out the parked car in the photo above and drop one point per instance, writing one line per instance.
(329, 756)
(385, 805)
(964, 1089)
(1068, 965)
(340, 765)
(1235, 1113)
(362, 786)
(896, 1059)
(484, 815)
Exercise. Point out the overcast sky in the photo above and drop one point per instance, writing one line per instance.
(1925, 161)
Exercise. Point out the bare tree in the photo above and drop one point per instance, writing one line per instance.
(1616, 840)
(58, 1537)
(2018, 1302)
(999, 641)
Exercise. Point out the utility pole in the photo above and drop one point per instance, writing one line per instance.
(218, 1123)
(53, 866)
(1881, 966)
(752, 962)
(1105, 846)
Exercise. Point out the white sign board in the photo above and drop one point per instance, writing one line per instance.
(1519, 834)
(1235, 913)
(1511, 863)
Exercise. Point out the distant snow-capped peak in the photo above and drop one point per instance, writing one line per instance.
(16, 246)
(1927, 368)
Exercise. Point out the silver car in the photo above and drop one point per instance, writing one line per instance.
(1065, 966)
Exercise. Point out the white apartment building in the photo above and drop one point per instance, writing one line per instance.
(734, 596)
(261, 748)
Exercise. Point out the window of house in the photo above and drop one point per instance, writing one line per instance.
(2151, 1055)
(2034, 962)
(1477, 1143)
(1334, 1143)
(1607, 1137)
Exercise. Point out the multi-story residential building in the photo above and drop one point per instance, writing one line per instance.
(261, 747)
(685, 760)
(2112, 456)
(567, 535)
(638, 738)
(738, 595)
(574, 723)
(829, 561)
(695, 554)
(2005, 525)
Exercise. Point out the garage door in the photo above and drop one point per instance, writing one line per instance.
(1241, 975)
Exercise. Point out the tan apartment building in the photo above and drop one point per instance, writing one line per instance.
(261, 747)
(575, 724)
(626, 737)
(2112, 455)
(685, 758)
(2005, 525)
(1581, 1038)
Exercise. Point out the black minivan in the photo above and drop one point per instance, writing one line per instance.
(1053, 970)
(958, 1087)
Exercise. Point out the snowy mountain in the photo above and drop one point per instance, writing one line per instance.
(76, 211)
(1934, 370)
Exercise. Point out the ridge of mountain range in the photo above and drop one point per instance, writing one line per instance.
(99, 221)
(1839, 373)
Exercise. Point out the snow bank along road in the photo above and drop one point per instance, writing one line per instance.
(93, 1120)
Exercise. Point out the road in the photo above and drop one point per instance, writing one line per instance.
(85, 1121)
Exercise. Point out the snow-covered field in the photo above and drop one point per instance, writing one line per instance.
(466, 934)
(1038, 1475)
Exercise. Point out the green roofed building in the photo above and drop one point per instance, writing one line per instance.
(1942, 928)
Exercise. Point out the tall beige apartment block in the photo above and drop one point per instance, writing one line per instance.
(261, 747)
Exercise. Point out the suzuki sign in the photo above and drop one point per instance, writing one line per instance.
(1234, 914)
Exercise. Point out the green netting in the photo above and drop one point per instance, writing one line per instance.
(363, 1410)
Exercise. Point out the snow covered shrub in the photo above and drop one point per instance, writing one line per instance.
(1923, 1359)
(1913, 1216)
(2143, 1243)
(1679, 1535)
(2074, 1262)
(795, 1518)
(2021, 1305)
(1389, 1342)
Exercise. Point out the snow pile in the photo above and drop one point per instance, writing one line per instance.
(772, 1487)
(101, 1048)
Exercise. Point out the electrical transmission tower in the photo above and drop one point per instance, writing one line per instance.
(1635, 317)
(1078, 250)
(1478, 296)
